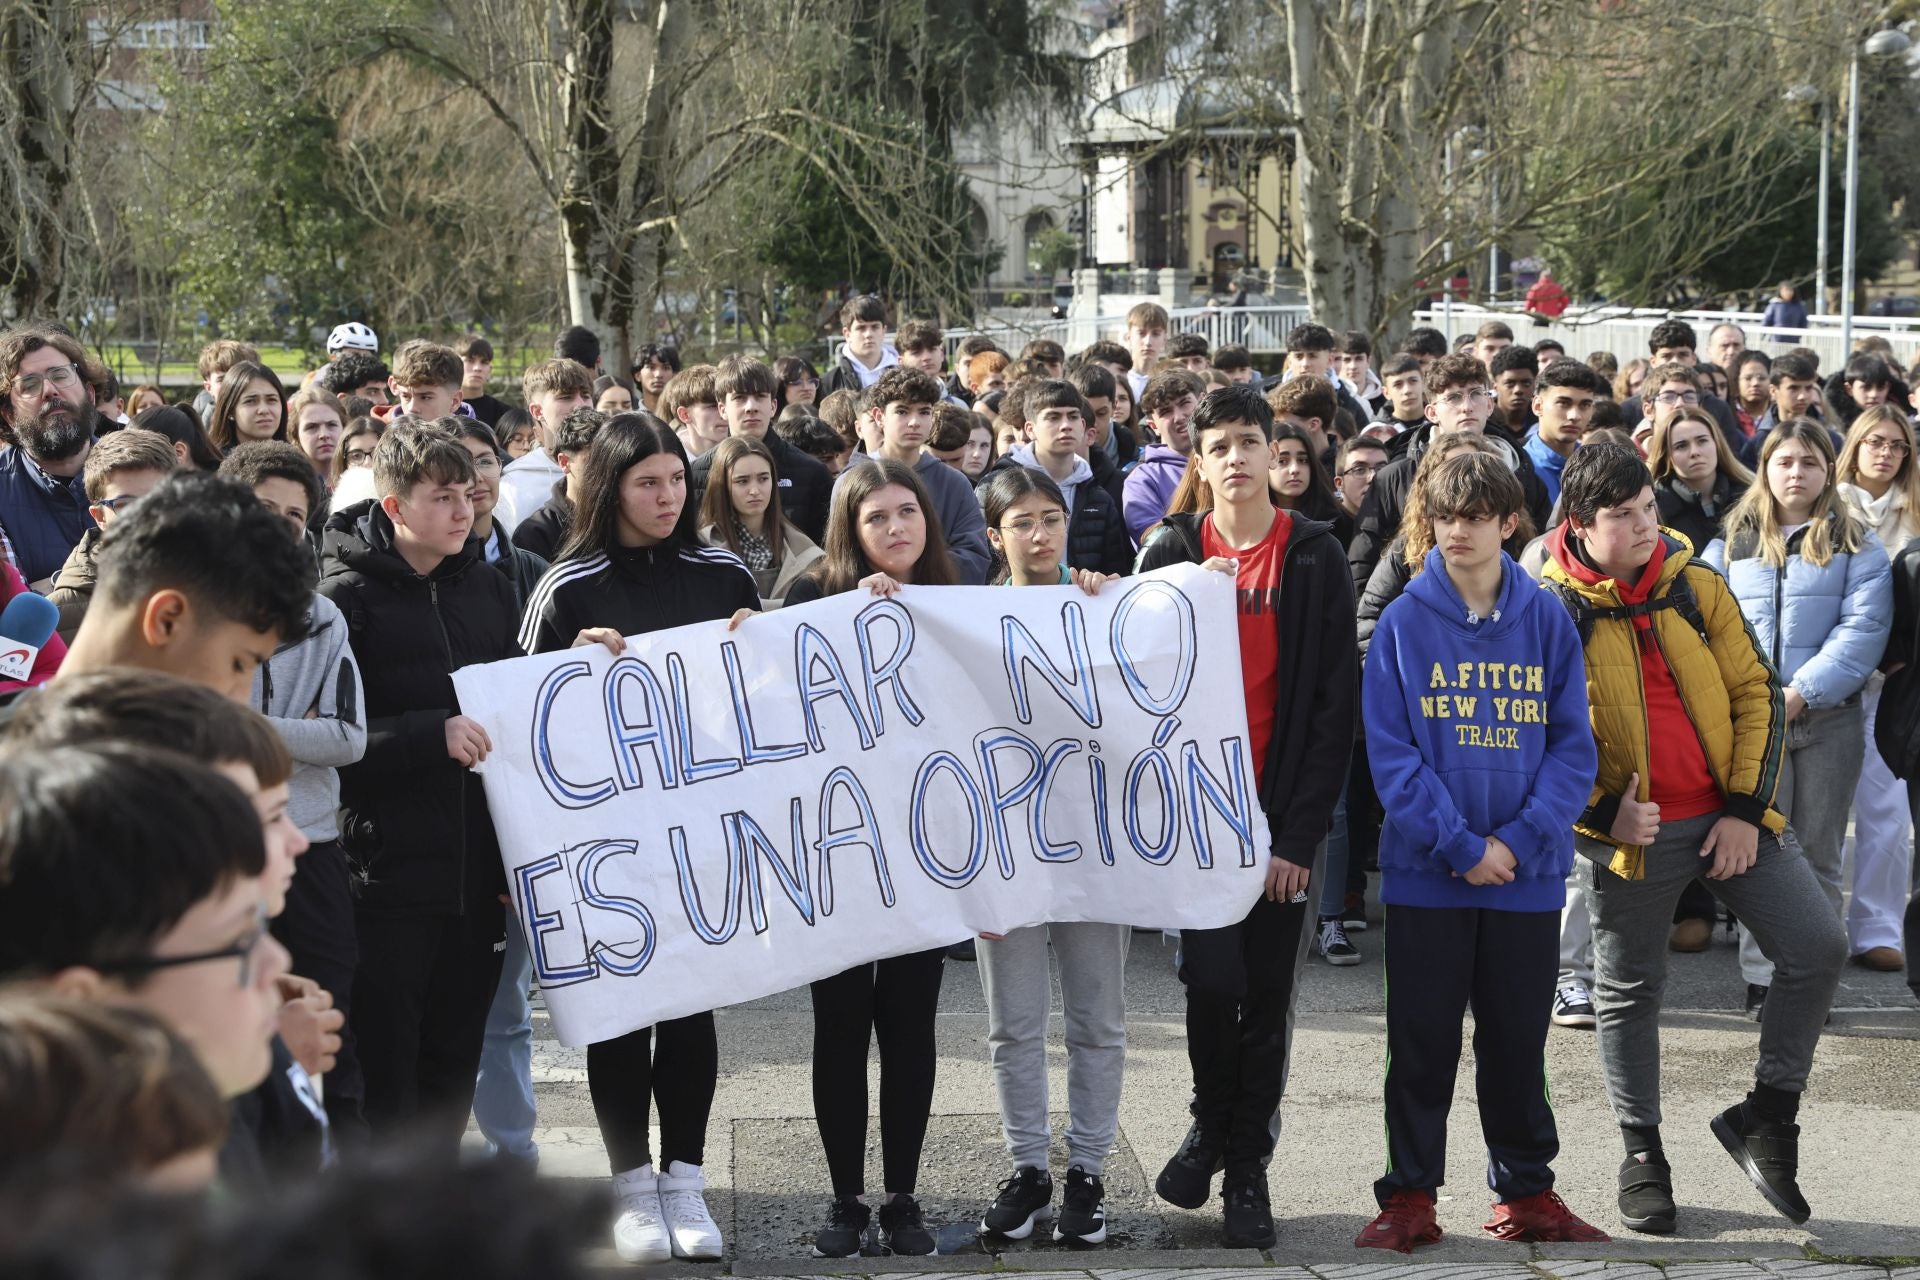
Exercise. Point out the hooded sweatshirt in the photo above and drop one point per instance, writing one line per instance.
(1150, 487)
(1477, 727)
(1081, 474)
(310, 693)
(525, 486)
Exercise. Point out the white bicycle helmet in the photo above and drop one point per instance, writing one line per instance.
(352, 336)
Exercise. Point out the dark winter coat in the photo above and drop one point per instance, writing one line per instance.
(1681, 512)
(1379, 520)
(545, 531)
(414, 821)
(1315, 712)
(1096, 533)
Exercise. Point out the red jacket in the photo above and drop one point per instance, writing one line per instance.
(1547, 298)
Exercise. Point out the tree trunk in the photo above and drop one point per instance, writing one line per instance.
(40, 40)
(592, 167)
(613, 207)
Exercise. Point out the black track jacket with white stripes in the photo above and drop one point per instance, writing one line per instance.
(636, 590)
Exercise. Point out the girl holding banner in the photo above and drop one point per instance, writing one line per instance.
(882, 533)
(634, 564)
(1027, 524)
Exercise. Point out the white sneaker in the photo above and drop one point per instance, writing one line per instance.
(689, 1225)
(640, 1232)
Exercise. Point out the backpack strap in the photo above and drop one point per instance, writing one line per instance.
(1679, 597)
(1578, 606)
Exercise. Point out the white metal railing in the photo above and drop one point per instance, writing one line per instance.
(1624, 332)
(1262, 330)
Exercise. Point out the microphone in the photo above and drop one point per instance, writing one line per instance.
(26, 624)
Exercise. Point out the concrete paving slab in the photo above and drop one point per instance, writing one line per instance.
(1588, 1269)
(1861, 1113)
(1813, 1269)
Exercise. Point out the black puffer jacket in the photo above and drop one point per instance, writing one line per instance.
(414, 821)
(1379, 520)
(1096, 531)
(1109, 476)
(805, 487)
(545, 531)
(1680, 508)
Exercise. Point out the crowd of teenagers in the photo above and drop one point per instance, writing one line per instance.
(1576, 655)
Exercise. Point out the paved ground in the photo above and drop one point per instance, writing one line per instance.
(1860, 1167)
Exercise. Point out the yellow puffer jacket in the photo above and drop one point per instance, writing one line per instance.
(1729, 690)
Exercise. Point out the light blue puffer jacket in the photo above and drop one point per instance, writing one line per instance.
(1824, 629)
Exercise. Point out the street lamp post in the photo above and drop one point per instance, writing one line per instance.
(1878, 44)
(1446, 249)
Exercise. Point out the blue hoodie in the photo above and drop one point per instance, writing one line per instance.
(1477, 728)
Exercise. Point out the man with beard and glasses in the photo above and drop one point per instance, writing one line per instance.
(47, 400)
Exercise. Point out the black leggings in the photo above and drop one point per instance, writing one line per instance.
(896, 999)
(626, 1073)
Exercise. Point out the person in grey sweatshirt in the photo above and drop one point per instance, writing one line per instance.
(310, 692)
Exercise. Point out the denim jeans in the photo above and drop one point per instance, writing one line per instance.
(503, 1096)
(1825, 750)
(1333, 881)
(1882, 847)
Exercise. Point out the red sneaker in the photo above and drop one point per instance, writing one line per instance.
(1405, 1222)
(1544, 1219)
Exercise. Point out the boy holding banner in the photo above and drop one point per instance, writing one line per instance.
(1299, 663)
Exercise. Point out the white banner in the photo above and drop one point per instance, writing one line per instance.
(714, 816)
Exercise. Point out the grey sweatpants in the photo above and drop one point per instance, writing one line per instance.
(1778, 898)
(1014, 974)
(1825, 752)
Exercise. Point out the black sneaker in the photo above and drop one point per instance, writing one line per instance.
(1646, 1194)
(1353, 918)
(847, 1220)
(901, 1230)
(1249, 1218)
(1024, 1199)
(1187, 1179)
(1756, 1002)
(1332, 943)
(1768, 1152)
(1083, 1210)
(1573, 1006)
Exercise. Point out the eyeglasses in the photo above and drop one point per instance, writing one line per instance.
(1880, 444)
(1052, 522)
(481, 462)
(359, 457)
(1678, 397)
(119, 504)
(804, 382)
(242, 950)
(31, 384)
(1361, 470)
(1460, 399)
